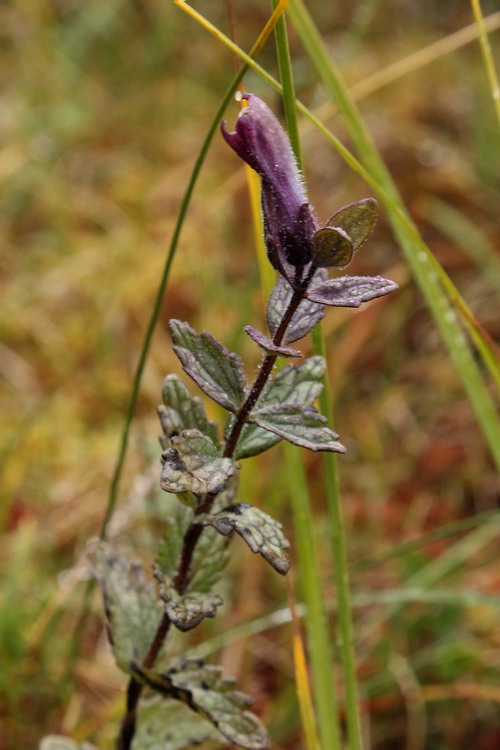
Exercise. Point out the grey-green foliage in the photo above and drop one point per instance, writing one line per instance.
(299, 425)
(211, 553)
(350, 291)
(171, 725)
(307, 315)
(300, 384)
(180, 411)
(169, 549)
(209, 560)
(260, 531)
(218, 373)
(130, 600)
(295, 385)
(193, 464)
(186, 611)
(203, 689)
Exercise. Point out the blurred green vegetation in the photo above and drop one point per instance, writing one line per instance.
(105, 106)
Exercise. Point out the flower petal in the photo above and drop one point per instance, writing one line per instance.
(289, 222)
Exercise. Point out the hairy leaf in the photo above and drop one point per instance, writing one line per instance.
(218, 372)
(351, 291)
(254, 440)
(193, 464)
(266, 343)
(209, 560)
(186, 611)
(294, 384)
(300, 384)
(130, 601)
(307, 315)
(182, 412)
(59, 742)
(331, 246)
(203, 689)
(170, 725)
(357, 219)
(300, 425)
(261, 532)
(169, 550)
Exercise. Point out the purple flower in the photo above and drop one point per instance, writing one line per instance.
(296, 247)
(289, 224)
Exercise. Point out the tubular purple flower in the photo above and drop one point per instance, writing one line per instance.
(289, 224)
(299, 249)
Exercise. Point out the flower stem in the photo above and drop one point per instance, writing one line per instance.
(263, 376)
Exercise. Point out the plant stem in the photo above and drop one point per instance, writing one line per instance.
(262, 377)
(195, 530)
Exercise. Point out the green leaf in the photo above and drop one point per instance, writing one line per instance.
(59, 742)
(300, 384)
(356, 219)
(300, 425)
(261, 532)
(295, 384)
(331, 246)
(217, 372)
(209, 560)
(307, 315)
(186, 611)
(202, 688)
(192, 464)
(351, 291)
(182, 412)
(254, 440)
(132, 608)
(169, 550)
(170, 725)
(266, 343)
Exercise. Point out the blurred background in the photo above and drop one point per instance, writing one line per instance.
(105, 107)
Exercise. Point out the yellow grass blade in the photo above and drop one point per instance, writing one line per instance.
(301, 675)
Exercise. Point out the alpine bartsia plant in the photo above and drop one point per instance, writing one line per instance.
(193, 702)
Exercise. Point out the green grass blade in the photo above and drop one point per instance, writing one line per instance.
(318, 637)
(338, 539)
(316, 621)
(489, 62)
(166, 272)
(421, 262)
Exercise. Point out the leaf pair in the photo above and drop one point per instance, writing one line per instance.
(285, 410)
(193, 463)
(204, 690)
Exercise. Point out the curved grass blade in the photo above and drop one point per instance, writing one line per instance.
(131, 407)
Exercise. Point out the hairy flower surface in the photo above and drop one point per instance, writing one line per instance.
(296, 246)
(289, 224)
